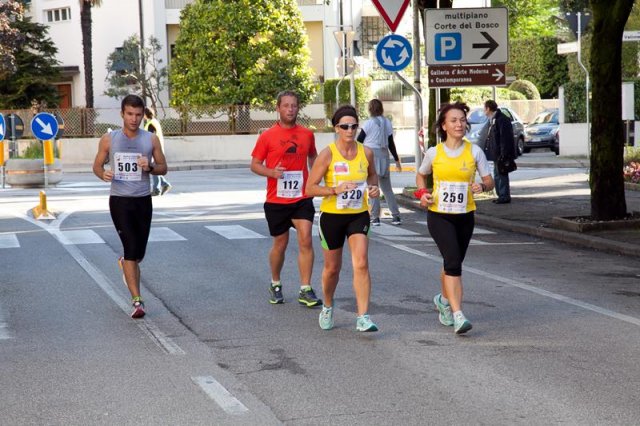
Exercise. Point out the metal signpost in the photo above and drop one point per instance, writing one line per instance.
(44, 127)
(3, 126)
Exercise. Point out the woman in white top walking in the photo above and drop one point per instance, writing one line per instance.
(377, 135)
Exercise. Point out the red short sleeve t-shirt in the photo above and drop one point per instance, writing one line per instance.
(291, 148)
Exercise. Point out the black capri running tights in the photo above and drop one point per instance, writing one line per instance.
(452, 234)
(132, 219)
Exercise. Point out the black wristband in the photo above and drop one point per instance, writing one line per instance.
(150, 168)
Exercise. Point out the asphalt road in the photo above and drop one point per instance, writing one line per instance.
(554, 339)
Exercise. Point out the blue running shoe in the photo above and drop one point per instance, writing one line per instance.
(445, 317)
(275, 295)
(364, 323)
(309, 298)
(326, 318)
(461, 324)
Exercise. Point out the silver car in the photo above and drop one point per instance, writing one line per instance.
(542, 132)
(480, 127)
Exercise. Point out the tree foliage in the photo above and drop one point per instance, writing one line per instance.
(10, 37)
(240, 52)
(607, 139)
(530, 18)
(124, 75)
(35, 68)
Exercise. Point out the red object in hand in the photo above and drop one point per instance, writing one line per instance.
(418, 193)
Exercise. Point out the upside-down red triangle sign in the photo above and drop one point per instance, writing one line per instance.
(391, 11)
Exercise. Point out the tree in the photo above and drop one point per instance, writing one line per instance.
(607, 137)
(10, 37)
(530, 18)
(124, 75)
(240, 52)
(35, 68)
(87, 48)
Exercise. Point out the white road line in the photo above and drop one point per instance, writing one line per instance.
(164, 234)
(476, 230)
(234, 232)
(527, 287)
(82, 236)
(9, 241)
(4, 327)
(220, 395)
(387, 230)
(146, 325)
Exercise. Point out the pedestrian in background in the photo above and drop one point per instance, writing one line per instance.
(283, 154)
(450, 214)
(133, 154)
(347, 168)
(377, 135)
(499, 148)
(159, 185)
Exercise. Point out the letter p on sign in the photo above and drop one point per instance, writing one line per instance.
(448, 47)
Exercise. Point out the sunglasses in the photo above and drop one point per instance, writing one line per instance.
(348, 126)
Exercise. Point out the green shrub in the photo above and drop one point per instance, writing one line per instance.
(527, 88)
(575, 102)
(34, 150)
(475, 96)
(102, 128)
(363, 95)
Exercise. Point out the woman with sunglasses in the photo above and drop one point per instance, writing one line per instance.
(350, 178)
(450, 214)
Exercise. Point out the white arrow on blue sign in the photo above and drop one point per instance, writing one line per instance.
(3, 125)
(44, 126)
(394, 53)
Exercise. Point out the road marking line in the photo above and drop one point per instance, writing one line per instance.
(162, 233)
(4, 328)
(527, 287)
(391, 230)
(220, 395)
(234, 232)
(476, 230)
(9, 241)
(82, 236)
(146, 325)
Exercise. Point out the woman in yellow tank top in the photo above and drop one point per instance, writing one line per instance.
(451, 207)
(350, 178)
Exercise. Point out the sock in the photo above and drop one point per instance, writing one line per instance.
(458, 314)
(275, 283)
(326, 308)
(444, 300)
(136, 299)
(305, 287)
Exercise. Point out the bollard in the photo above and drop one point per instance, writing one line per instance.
(40, 211)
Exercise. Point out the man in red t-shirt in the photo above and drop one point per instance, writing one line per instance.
(284, 153)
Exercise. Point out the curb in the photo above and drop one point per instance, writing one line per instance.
(576, 239)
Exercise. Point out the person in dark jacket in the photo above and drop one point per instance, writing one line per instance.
(499, 147)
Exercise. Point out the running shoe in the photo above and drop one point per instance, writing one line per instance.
(155, 193)
(309, 298)
(445, 316)
(275, 294)
(375, 222)
(165, 188)
(138, 308)
(364, 323)
(326, 318)
(396, 220)
(461, 324)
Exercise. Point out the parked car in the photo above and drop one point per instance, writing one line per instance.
(556, 143)
(543, 131)
(480, 127)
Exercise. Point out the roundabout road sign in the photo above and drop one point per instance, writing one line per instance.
(44, 126)
(394, 53)
(3, 127)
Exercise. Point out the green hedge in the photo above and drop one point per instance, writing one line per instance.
(363, 95)
(475, 96)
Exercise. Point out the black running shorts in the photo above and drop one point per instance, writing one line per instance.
(279, 216)
(452, 234)
(334, 228)
(132, 219)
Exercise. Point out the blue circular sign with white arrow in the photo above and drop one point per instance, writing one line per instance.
(3, 126)
(44, 126)
(394, 52)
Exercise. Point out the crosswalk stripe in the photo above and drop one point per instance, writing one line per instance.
(9, 241)
(234, 232)
(4, 328)
(81, 236)
(162, 233)
(391, 230)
